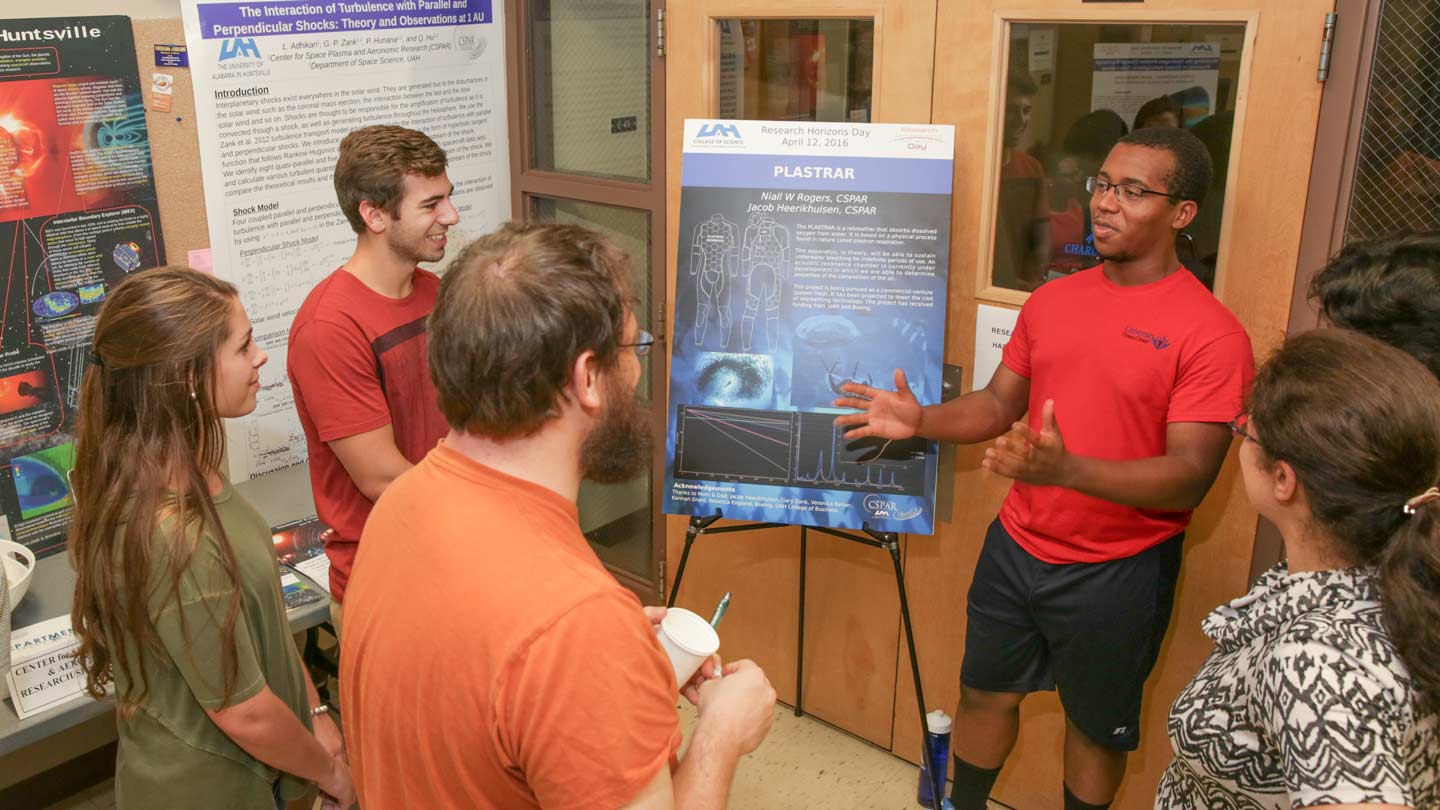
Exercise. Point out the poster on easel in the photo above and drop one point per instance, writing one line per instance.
(77, 215)
(811, 255)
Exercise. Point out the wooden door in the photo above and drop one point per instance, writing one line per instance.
(852, 610)
(1270, 89)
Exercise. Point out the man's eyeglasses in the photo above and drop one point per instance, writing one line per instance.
(1240, 426)
(642, 345)
(1124, 192)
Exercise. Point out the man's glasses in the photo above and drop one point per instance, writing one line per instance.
(1124, 192)
(642, 345)
(1240, 426)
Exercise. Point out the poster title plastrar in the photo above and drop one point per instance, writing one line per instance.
(227, 20)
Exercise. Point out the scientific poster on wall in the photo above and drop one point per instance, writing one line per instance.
(811, 255)
(77, 214)
(1126, 75)
(278, 83)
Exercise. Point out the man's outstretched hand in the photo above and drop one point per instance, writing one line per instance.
(887, 414)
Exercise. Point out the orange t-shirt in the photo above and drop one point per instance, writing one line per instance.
(490, 660)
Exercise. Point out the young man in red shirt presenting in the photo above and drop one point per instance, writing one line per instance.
(1130, 372)
(357, 356)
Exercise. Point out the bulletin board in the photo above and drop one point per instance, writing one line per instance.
(174, 144)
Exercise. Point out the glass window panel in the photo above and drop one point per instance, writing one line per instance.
(795, 70)
(617, 519)
(1072, 90)
(1397, 180)
(590, 87)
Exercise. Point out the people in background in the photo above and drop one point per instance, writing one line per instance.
(357, 351)
(1158, 112)
(177, 590)
(1129, 372)
(519, 673)
(1324, 686)
(1389, 289)
(1023, 214)
(1086, 144)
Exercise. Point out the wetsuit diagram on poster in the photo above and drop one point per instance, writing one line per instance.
(77, 214)
(766, 258)
(713, 256)
(838, 276)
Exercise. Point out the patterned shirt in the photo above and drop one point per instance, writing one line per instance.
(1304, 702)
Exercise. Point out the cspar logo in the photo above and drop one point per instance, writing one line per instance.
(1160, 342)
(883, 507)
(239, 48)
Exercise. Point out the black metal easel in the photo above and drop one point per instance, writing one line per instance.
(889, 541)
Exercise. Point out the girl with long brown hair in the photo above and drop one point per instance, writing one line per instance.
(177, 594)
(1324, 686)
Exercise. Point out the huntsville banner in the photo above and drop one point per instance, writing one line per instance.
(77, 215)
(811, 255)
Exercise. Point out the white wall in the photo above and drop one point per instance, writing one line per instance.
(130, 8)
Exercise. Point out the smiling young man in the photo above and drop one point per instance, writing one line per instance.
(1130, 372)
(357, 356)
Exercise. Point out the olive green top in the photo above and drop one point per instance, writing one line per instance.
(171, 754)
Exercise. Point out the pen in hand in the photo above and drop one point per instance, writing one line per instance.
(717, 616)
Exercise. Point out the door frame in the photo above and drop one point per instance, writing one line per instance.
(1332, 176)
(527, 182)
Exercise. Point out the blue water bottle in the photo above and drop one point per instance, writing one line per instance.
(937, 756)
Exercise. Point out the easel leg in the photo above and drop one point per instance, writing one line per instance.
(937, 781)
(800, 630)
(697, 525)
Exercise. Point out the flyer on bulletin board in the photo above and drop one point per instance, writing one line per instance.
(811, 255)
(77, 214)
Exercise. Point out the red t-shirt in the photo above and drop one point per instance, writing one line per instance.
(358, 361)
(490, 660)
(1121, 363)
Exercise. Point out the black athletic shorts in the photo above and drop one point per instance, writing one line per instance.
(1092, 630)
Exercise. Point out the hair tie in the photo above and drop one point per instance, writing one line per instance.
(96, 358)
(1428, 496)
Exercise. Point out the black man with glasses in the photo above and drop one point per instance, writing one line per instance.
(1130, 373)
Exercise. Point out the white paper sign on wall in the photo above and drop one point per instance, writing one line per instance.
(993, 326)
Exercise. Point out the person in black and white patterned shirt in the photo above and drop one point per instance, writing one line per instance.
(1324, 687)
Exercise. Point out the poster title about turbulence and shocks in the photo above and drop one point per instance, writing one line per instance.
(278, 84)
(811, 255)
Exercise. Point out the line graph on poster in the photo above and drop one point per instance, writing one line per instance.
(825, 459)
(734, 444)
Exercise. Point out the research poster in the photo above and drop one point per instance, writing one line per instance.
(77, 214)
(1126, 75)
(278, 83)
(811, 255)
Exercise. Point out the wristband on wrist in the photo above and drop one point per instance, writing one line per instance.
(323, 708)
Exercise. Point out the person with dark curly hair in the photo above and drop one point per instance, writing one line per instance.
(1389, 289)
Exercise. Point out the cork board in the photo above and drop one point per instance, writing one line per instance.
(174, 144)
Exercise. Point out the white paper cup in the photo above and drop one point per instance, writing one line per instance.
(689, 640)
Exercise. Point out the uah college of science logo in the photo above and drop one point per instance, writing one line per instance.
(718, 130)
(239, 48)
(717, 133)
